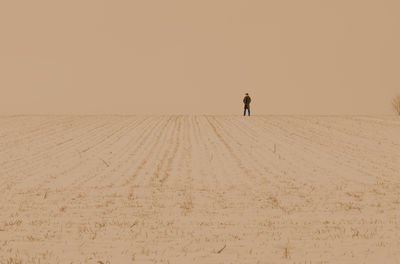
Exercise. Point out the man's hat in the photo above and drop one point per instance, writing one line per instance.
(247, 93)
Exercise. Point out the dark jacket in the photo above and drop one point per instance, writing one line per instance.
(247, 100)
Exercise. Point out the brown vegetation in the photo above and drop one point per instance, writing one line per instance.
(396, 104)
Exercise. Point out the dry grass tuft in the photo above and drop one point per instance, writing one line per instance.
(187, 204)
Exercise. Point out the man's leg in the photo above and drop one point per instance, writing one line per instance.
(248, 111)
(244, 113)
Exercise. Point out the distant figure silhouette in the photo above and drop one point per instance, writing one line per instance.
(246, 101)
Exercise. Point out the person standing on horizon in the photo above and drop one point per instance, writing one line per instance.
(246, 101)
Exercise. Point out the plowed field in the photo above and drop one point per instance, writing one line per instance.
(199, 189)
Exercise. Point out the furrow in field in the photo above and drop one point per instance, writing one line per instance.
(223, 164)
(18, 131)
(165, 179)
(160, 159)
(301, 151)
(50, 139)
(237, 172)
(32, 144)
(69, 162)
(24, 166)
(289, 164)
(268, 184)
(200, 188)
(47, 137)
(106, 160)
(344, 175)
(205, 159)
(357, 130)
(122, 156)
(165, 167)
(256, 156)
(266, 145)
(347, 150)
(90, 160)
(141, 172)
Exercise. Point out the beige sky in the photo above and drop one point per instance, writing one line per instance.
(199, 57)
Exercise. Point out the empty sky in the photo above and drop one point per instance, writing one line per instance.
(199, 57)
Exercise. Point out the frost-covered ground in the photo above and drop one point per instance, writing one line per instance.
(199, 189)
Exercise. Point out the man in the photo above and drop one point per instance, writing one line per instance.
(246, 101)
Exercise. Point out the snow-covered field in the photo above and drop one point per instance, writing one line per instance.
(199, 189)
